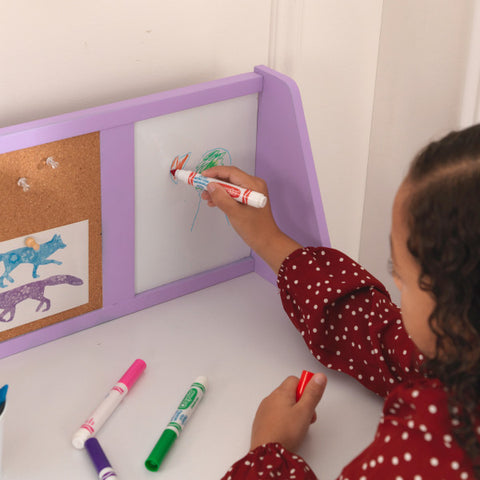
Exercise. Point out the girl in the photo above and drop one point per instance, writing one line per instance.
(424, 361)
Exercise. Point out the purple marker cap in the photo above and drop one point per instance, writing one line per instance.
(99, 459)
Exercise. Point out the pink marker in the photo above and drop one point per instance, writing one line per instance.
(109, 404)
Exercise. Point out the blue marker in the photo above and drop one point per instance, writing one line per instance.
(3, 398)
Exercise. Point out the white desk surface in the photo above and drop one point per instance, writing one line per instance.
(235, 333)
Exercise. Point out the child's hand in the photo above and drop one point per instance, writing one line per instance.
(256, 226)
(280, 419)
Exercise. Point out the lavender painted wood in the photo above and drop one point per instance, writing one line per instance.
(283, 158)
(118, 196)
(126, 112)
(116, 123)
(127, 306)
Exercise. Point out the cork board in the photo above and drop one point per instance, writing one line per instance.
(65, 200)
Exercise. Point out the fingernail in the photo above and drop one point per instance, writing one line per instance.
(211, 187)
(320, 379)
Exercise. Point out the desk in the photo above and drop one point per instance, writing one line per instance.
(235, 333)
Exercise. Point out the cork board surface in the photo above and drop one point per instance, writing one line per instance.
(57, 197)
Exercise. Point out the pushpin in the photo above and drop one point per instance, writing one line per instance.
(22, 182)
(304, 379)
(50, 161)
(30, 242)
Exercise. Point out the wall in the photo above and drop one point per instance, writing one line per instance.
(471, 96)
(424, 50)
(378, 78)
(330, 48)
(70, 56)
(60, 56)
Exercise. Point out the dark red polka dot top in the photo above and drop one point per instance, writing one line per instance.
(349, 324)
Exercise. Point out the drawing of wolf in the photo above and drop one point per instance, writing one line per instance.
(14, 258)
(35, 291)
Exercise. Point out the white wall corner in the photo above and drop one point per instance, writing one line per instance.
(330, 49)
(286, 24)
(419, 91)
(470, 112)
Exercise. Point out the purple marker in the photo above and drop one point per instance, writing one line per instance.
(102, 465)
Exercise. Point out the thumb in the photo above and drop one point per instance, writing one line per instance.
(221, 198)
(313, 391)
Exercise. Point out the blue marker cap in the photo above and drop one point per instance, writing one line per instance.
(3, 398)
(3, 393)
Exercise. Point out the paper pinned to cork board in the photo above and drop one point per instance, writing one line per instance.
(39, 282)
(60, 210)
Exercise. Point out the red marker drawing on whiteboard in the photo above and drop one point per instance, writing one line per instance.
(240, 194)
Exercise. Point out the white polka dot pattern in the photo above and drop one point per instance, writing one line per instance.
(270, 461)
(349, 323)
(346, 318)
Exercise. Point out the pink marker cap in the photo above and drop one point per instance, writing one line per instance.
(132, 374)
(304, 379)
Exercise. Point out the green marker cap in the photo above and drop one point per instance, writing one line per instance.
(160, 450)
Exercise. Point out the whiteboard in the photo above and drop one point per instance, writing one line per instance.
(176, 234)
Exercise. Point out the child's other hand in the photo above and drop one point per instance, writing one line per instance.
(256, 226)
(280, 419)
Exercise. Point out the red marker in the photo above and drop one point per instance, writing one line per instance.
(240, 194)
(304, 379)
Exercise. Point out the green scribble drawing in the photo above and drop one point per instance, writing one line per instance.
(211, 158)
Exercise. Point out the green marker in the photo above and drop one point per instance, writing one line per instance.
(177, 423)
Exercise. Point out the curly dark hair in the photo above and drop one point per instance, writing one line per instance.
(443, 215)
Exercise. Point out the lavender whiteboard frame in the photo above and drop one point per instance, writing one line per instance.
(283, 158)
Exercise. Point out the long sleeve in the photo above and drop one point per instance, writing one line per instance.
(349, 323)
(347, 319)
(414, 439)
(270, 461)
